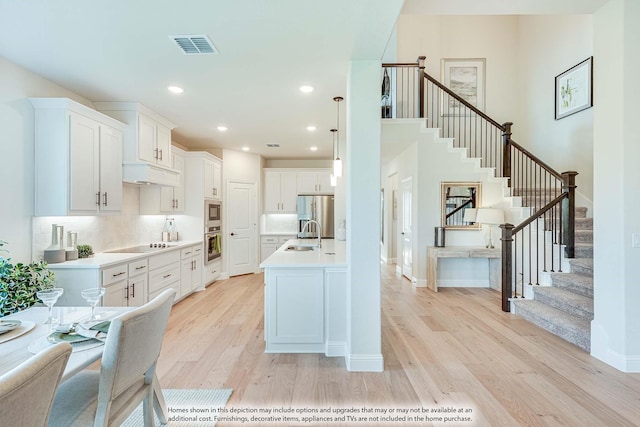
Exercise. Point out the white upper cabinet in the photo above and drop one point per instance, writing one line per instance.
(147, 154)
(78, 159)
(212, 179)
(156, 199)
(280, 192)
(315, 182)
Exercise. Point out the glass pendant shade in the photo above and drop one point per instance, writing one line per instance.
(334, 180)
(337, 167)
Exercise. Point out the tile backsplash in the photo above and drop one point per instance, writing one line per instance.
(105, 232)
(279, 223)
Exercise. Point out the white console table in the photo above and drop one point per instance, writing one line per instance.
(493, 255)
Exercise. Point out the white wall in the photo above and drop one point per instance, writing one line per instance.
(17, 152)
(615, 330)
(550, 45)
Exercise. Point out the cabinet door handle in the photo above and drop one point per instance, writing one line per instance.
(141, 267)
(168, 275)
(106, 201)
(160, 151)
(98, 198)
(133, 290)
(176, 203)
(126, 293)
(187, 253)
(119, 274)
(215, 191)
(156, 155)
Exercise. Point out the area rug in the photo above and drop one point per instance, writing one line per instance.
(187, 408)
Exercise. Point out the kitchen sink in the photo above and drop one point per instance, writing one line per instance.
(301, 248)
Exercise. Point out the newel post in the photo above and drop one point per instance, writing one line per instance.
(569, 213)
(507, 265)
(506, 152)
(421, 60)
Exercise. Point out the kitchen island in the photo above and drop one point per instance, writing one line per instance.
(305, 298)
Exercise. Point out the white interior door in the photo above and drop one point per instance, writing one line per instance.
(241, 228)
(406, 220)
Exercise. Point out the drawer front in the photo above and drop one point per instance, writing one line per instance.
(269, 239)
(188, 252)
(162, 277)
(138, 267)
(283, 239)
(161, 260)
(175, 285)
(114, 274)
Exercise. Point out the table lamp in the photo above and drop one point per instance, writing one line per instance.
(469, 215)
(491, 217)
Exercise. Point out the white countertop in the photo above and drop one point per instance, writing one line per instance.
(278, 233)
(102, 259)
(331, 254)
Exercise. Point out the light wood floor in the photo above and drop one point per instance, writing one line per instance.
(455, 347)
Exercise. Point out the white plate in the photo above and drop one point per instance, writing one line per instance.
(8, 325)
(25, 327)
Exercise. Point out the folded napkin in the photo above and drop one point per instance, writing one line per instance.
(90, 329)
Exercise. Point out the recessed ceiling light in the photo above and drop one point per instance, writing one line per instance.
(175, 89)
(245, 148)
(311, 128)
(222, 128)
(306, 89)
(313, 148)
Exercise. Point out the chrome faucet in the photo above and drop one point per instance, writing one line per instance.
(319, 230)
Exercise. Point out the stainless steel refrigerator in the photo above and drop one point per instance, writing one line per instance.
(319, 208)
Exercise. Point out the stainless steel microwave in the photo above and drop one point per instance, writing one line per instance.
(213, 213)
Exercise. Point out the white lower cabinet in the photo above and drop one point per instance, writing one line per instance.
(164, 273)
(126, 284)
(190, 269)
(212, 271)
(294, 310)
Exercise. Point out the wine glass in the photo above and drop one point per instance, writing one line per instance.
(92, 296)
(49, 298)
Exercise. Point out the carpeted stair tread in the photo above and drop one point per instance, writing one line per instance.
(567, 301)
(584, 236)
(577, 283)
(584, 250)
(584, 223)
(570, 328)
(583, 266)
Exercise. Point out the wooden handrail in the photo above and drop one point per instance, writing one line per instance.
(539, 213)
(535, 159)
(463, 102)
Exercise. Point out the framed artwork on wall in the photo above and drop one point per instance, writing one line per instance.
(574, 89)
(466, 77)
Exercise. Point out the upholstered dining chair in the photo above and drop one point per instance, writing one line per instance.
(127, 372)
(26, 391)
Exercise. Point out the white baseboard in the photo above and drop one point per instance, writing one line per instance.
(460, 283)
(600, 350)
(420, 283)
(336, 349)
(365, 362)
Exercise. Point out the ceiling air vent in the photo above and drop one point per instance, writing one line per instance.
(194, 45)
(273, 145)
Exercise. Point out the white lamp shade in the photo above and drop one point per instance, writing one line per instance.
(490, 216)
(337, 168)
(334, 180)
(469, 215)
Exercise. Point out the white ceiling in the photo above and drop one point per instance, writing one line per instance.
(119, 50)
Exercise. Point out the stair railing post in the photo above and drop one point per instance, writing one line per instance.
(507, 265)
(569, 213)
(506, 152)
(421, 83)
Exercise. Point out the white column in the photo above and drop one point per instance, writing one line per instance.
(615, 330)
(364, 352)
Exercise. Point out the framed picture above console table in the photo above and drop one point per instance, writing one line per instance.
(493, 255)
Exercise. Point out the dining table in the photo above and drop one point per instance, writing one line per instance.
(31, 336)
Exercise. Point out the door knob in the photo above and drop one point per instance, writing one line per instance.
(233, 234)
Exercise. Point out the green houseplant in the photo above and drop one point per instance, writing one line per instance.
(19, 283)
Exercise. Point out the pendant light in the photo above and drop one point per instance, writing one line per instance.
(337, 163)
(334, 179)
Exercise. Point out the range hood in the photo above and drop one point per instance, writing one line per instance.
(145, 173)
